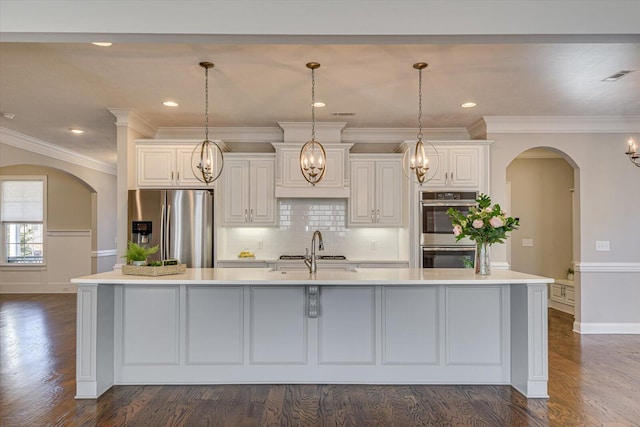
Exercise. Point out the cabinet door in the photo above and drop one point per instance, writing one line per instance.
(262, 200)
(464, 168)
(438, 172)
(555, 292)
(334, 175)
(235, 196)
(569, 295)
(388, 193)
(184, 174)
(155, 166)
(361, 202)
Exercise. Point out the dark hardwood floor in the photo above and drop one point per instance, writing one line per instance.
(594, 380)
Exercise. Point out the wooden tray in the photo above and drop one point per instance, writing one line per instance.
(145, 270)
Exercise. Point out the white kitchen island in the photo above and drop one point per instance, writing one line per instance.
(370, 326)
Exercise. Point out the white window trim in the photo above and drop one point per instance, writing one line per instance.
(3, 264)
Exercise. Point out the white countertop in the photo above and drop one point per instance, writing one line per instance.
(363, 276)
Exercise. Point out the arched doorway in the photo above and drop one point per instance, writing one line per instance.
(542, 185)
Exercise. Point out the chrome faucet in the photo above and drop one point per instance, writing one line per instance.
(310, 260)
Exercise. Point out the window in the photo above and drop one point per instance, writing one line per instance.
(22, 213)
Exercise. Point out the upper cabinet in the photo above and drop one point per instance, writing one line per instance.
(163, 165)
(376, 191)
(291, 183)
(247, 197)
(459, 166)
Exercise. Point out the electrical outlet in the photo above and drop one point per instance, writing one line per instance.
(374, 245)
(260, 244)
(527, 242)
(602, 245)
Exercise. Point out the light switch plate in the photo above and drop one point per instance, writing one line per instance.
(602, 245)
(527, 242)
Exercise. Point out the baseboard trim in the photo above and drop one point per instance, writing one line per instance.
(38, 288)
(586, 328)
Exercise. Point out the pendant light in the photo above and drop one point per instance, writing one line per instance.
(207, 160)
(313, 158)
(415, 162)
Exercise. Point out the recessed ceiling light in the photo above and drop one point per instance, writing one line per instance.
(319, 104)
(170, 104)
(469, 104)
(77, 131)
(617, 76)
(9, 116)
(102, 44)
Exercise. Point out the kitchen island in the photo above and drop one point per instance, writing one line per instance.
(370, 326)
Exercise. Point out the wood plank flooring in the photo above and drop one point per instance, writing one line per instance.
(594, 380)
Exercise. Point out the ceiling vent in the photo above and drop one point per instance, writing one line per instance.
(617, 76)
(343, 114)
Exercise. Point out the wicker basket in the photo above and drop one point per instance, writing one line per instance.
(145, 270)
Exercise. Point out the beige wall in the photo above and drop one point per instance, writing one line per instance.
(80, 198)
(541, 198)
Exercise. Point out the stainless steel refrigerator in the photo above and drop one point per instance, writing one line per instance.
(179, 221)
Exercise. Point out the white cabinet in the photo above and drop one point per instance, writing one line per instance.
(376, 191)
(165, 165)
(459, 166)
(248, 191)
(562, 295)
(291, 183)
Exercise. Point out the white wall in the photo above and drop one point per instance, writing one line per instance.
(607, 191)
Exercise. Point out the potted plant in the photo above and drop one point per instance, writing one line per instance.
(485, 224)
(570, 273)
(137, 254)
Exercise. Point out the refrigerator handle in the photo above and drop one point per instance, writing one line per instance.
(162, 231)
(167, 234)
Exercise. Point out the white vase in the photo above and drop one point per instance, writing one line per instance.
(483, 261)
(138, 263)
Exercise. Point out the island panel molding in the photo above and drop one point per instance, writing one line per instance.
(374, 326)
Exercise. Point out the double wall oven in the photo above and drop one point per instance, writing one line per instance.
(438, 245)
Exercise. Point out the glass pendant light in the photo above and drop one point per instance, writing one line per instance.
(207, 160)
(415, 162)
(313, 158)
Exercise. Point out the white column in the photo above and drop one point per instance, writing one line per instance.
(529, 340)
(94, 340)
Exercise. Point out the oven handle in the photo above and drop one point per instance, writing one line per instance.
(451, 203)
(448, 248)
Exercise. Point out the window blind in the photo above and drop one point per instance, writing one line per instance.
(22, 201)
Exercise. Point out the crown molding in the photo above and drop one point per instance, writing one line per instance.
(38, 146)
(133, 120)
(398, 135)
(562, 124)
(226, 134)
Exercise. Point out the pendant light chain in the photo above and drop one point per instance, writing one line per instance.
(206, 104)
(420, 104)
(313, 104)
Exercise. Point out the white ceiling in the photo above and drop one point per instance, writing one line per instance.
(51, 87)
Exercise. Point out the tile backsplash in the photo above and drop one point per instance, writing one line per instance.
(298, 218)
